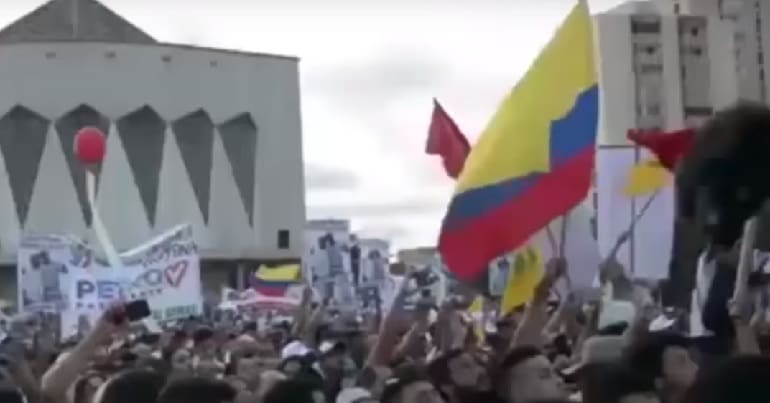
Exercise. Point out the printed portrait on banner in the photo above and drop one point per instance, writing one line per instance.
(329, 264)
(375, 283)
(165, 271)
(43, 268)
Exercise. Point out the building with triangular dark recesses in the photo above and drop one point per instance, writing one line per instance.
(198, 136)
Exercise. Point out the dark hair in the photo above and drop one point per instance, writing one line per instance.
(438, 369)
(367, 378)
(613, 329)
(609, 383)
(202, 334)
(511, 359)
(402, 377)
(647, 355)
(133, 385)
(518, 355)
(721, 175)
(250, 326)
(741, 379)
(11, 396)
(197, 390)
(291, 390)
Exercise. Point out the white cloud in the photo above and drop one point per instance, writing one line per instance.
(369, 71)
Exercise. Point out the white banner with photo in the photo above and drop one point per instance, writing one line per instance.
(165, 271)
(332, 261)
(43, 269)
(375, 284)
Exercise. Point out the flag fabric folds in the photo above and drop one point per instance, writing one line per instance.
(446, 140)
(669, 147)
(522, 280)
(534, 160)
(646, 178)
(274, 281)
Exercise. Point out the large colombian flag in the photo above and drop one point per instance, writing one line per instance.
(534, 160)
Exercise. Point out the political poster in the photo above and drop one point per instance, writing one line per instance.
(332, 261)
(375, 283)
(165, 271)
(43, 268)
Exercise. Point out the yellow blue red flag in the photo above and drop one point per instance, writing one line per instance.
(274, 281)
(534, 160)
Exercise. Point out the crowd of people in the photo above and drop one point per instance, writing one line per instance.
(544, 352)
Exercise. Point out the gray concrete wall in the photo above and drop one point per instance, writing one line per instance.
(200, 136)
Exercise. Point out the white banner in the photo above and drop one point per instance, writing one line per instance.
(165, 271)
(616, 211)
(42, 271)
(328, 263)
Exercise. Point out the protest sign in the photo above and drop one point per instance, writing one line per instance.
(42, 270)
(165, 271)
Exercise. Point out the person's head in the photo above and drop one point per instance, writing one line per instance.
(409, 384)
(741, 379)
(296, 390)
(86, 386)
(292, 365)
(618, 383)
(197, 390)
(130, 386)
(11, 395)
(181, 361)
(204, 342)
(596, 351)
(457, 370)
(250, 328)
(373, 379)
(664, 357)
(267, 380)
(332, 358)
(525, 375)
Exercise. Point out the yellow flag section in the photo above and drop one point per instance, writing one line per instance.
(275, 281)
(516, 142)
(646, 178)
(522, 280)
(476, 311)
(282, 273)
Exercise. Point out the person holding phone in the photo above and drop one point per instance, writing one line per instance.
(70, 364)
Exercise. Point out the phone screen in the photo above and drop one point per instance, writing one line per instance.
(137, 310)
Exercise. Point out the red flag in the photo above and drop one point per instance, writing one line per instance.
(669, 147)
(446, 140)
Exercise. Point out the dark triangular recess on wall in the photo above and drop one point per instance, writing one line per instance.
(143, 134)
(23, 135)
(194, 134)
(239, 137)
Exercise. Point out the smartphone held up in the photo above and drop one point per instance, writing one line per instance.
(131, 312)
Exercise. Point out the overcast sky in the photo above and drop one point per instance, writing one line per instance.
(369, 70)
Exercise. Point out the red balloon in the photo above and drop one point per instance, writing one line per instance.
(90, 145)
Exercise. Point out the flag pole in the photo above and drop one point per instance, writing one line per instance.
(562, 244)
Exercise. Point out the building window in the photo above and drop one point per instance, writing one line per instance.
(650, 68)
(645, 27)
(698, 111)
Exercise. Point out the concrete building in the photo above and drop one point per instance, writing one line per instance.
(205, 136)
(751, 35)
(661, 70)
(657, 70)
